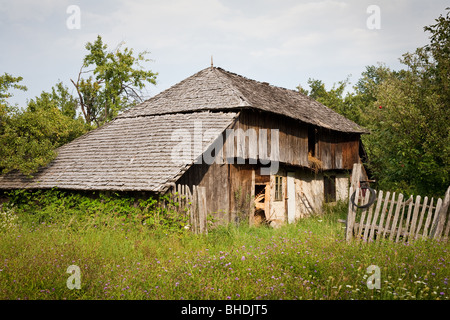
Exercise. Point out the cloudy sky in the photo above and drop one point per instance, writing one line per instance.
(283, 42)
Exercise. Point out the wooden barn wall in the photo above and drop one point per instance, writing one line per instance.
(293, 137)
(229, 189)
(215, 178)
(337, 150)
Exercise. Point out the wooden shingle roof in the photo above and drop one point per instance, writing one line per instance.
(216, 89)
(127, 154)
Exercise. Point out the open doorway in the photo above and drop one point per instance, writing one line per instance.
(262, 197)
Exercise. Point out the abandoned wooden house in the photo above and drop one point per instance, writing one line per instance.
(262, 152)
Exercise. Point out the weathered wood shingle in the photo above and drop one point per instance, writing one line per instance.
(217, 89)
(127, 154)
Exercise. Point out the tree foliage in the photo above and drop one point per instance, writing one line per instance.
(407, 114)
(114, 84)
(29, 137)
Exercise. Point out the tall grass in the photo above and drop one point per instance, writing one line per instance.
(123, 259)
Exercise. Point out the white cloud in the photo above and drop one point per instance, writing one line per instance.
(283, 42)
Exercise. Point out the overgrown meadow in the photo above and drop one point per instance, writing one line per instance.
(129, 251)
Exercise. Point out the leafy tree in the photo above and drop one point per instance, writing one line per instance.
(7, 82)
(29, 137)
(410, 140)
(406, 112)
(115, 82)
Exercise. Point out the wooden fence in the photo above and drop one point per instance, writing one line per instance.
(192, 204)
(395, 218)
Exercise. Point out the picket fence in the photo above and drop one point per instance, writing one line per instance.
(190, 203)
(395, 218)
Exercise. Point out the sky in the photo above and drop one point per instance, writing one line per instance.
(282, 42)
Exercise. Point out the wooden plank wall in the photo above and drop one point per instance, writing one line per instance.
(293, 137)
(193, 204)
(337, 150)
(215, 179)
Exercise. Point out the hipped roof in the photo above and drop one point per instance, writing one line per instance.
(217, 89)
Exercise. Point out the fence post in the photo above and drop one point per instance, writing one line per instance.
(354, 186)
(356, 176)
(351, 215)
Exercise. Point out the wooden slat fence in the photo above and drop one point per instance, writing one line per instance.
(192, 204)
(396, 218)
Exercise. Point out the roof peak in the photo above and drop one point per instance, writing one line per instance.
(216, 89)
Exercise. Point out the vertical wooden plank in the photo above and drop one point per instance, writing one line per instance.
(202, 210)
(400, 225)
(356, 176)
(383, 213)
(447, 229)
(178, 199)
(267, 201)
(368, 222)
(422, 214)
(188, 204)
(385, 228)
(436, 218)
(185, 203)
(428, 221)
(363, 216)
(354, 186)
(408, 217)
(397, 212)
(251, 208)
(442, 215)
(375, 217)
(414, 219)
(350, 217)
(193, 212)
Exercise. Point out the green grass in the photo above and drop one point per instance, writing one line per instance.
(126, 260)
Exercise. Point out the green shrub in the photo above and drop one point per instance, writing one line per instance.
(97, 209)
